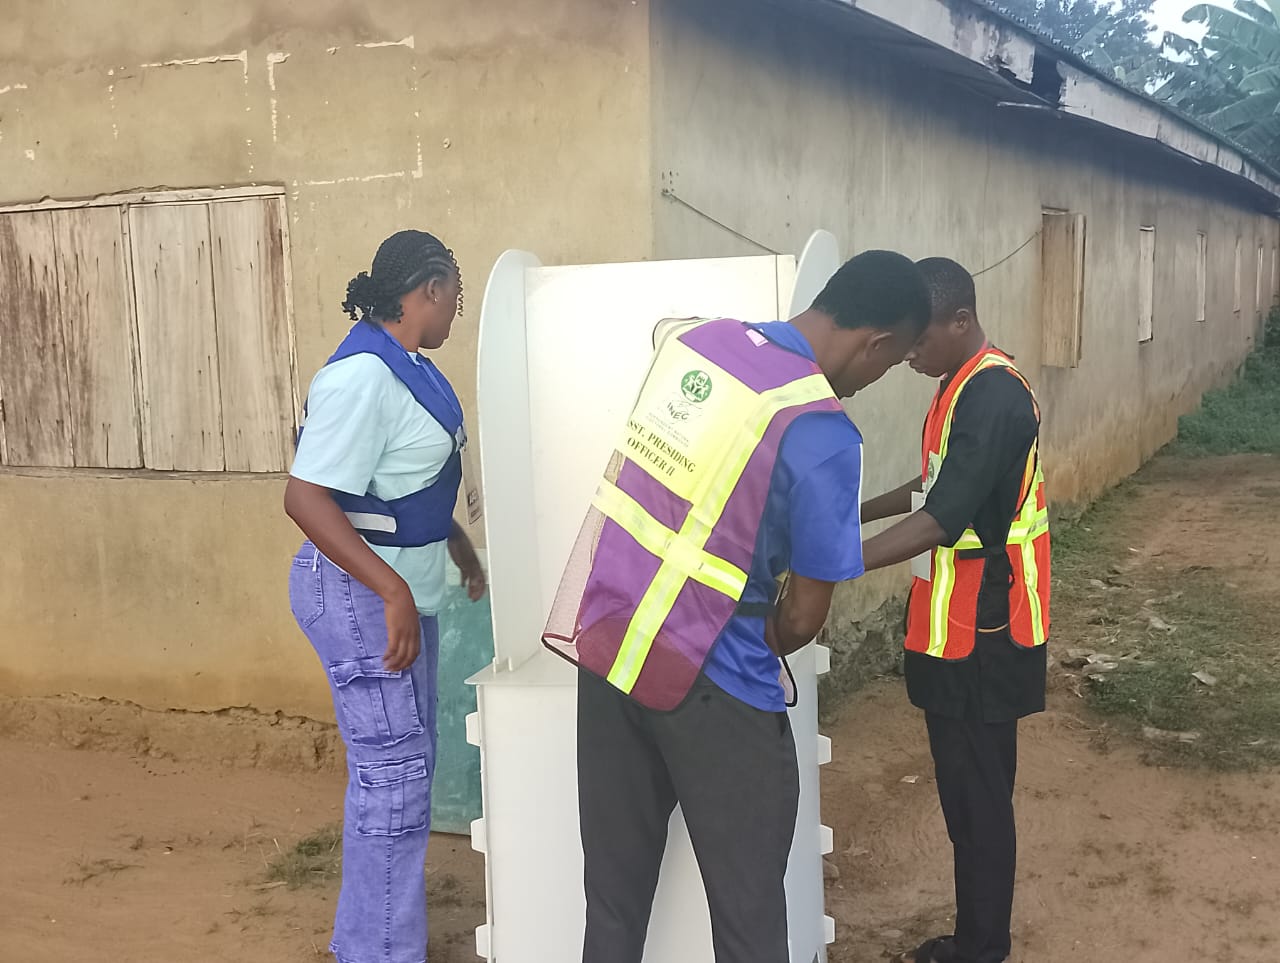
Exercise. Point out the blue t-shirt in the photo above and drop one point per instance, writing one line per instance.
(810, 527)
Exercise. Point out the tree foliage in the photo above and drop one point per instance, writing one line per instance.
(1113, 36)
(1230, 79)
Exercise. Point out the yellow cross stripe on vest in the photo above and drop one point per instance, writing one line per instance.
(660, 596)
(656, 539)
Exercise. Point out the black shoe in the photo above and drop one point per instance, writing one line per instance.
(940, 949)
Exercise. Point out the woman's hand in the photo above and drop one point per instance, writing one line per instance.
(464, 556)
(321, 520)
(404, 630)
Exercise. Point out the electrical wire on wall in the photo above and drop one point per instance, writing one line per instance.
(671, 195)
(1008, 257)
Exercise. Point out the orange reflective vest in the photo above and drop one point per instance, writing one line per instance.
(943, 611)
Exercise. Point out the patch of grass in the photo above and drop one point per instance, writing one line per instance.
(1161, 626)
(1240, 418)
(317, 859)
(445, 890)
(313, 860)
(258, 911)
(96, 869)
(1232, 724)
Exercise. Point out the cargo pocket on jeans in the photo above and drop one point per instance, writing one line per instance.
(394, 797)
(379, 707)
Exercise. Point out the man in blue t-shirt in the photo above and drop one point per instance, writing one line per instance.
(726, 754)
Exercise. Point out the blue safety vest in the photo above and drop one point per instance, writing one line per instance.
(425, 516)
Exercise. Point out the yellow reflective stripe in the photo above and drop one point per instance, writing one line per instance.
(944, 581)
(656, 539)
(1021, 531)
(660, 597)
(643, 628)
(1031, 576)
(1030, 474)
(1031, 570)
(990, 361)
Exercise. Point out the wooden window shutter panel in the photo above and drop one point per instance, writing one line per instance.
(254, 352)
(1062, 287)
(177, 337)
(1146, 283)
(33, 362)
(97, 306)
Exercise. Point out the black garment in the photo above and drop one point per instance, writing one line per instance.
(733, 770)
(980, 483)
(981, 478)
(975, 764)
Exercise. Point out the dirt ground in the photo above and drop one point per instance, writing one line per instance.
(1219, 513)
(111, 855)
(114, 859)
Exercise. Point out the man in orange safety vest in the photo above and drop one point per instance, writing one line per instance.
(978, 615)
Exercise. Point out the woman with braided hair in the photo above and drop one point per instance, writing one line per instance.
(373, 487)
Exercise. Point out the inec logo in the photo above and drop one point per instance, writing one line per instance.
(696, 386)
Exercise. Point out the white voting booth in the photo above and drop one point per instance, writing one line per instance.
(563, 351)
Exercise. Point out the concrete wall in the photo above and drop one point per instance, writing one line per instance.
(774, 125)
(547, 125)
(521, 124)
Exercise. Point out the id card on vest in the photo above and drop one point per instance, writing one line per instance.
(922, 564)
(687, 420)
(471, 485)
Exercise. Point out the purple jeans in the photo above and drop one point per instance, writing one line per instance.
(388, 722)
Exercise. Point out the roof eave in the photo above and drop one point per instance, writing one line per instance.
(1008, 49)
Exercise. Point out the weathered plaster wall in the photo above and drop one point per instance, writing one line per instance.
(774, 127)
(520, 124)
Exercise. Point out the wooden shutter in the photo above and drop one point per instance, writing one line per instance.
(177, 334)
(254, 363)
(1257, 281)
(1239, 280)
(33, 359)
(153, 334)
(1062, 287)
(1146, 283)
(97, 307)
(1202, 276)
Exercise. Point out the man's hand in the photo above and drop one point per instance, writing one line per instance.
(916, 533)
(896, 502)
(464, 556)
(799, 616)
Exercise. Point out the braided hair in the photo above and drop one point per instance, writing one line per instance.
(405, 260)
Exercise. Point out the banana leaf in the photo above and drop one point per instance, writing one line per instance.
(1246, 113)
(1232, 28)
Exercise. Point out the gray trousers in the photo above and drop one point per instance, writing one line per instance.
(732, 769)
